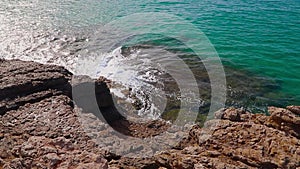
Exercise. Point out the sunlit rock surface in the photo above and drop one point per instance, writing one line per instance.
(42, 127)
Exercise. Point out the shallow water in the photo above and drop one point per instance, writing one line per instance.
(258, 43)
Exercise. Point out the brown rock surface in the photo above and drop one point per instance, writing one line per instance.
(249, 142)
(29, 82)
(294, 109)
(40, 128)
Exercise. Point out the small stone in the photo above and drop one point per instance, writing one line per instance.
(52, 158)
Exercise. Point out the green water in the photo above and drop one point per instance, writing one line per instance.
(261, 38)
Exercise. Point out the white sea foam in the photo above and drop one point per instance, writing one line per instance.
(135, 71)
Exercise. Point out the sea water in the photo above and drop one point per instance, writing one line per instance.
(257, 41)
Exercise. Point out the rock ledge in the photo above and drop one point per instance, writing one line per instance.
(40, 128)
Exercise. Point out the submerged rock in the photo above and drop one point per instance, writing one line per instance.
(40, 127)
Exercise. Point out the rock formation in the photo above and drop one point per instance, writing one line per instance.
(40, 127)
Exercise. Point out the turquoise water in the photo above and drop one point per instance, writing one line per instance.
(261, 38)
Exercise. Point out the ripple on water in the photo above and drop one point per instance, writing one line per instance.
(257, 41)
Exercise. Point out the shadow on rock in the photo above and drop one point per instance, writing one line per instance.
(93, 96)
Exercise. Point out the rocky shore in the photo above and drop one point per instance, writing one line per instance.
(40, 127)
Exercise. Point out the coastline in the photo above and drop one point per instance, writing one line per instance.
(40, 129)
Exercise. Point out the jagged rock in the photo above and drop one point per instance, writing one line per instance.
(239, 144)
(231, 114)
(29, 82)
(94, 96)
(294, 109)
(40, 127)
(284, 120)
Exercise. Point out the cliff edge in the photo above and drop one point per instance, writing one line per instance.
(40, 128)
